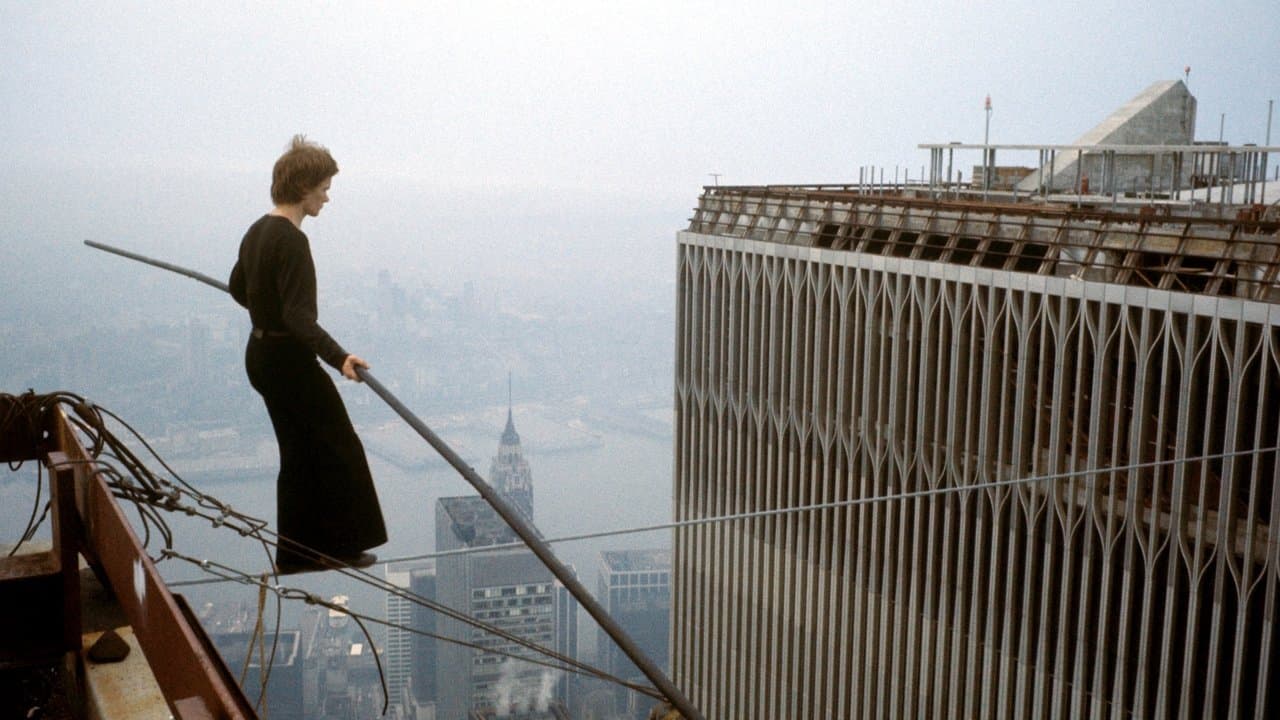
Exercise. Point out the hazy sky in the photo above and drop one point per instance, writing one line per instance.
(138, 116)
(557, 141)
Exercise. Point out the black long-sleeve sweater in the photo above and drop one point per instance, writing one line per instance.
(275, 279)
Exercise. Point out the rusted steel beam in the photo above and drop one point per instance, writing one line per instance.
(39, 592)
(181, 661)
(67, 538)
(817, 193)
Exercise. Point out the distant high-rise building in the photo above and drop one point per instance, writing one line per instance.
(397, 658)
(1040, 439)
(284, 681)
(340, 671)
(422, 581)
(634, 586)
(566, 611)
(509, 472)
(509, 588)
(409, 656)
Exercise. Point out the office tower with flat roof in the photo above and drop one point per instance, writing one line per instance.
(422, 581)
(409, 655)
(508, 588)
(278, 652)
(397, 658)
(634, 587)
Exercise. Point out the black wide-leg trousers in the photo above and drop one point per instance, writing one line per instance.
(325, 498)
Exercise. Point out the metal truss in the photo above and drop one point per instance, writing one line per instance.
(1159, 247)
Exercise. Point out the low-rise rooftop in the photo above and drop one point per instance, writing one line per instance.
(636, 560)
(475, 523)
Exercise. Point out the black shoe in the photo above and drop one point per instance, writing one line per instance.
(305, 565)
(363, 560)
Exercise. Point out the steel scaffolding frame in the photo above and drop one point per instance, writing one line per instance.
(1152, 247)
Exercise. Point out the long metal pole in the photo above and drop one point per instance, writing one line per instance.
(1053, 156)
(517, 522)
(1079, 175)
(987, 160)
(1267, 142)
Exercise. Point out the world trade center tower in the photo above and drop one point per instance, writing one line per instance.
(944, 450)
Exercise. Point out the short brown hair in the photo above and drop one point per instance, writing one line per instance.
(301, 169)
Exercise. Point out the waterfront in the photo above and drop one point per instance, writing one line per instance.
(620, 479)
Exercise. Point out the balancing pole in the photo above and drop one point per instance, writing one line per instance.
(522, 528)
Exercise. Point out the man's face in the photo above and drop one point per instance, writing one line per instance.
(316, 198)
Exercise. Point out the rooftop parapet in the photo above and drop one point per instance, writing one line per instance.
(1149, 246)
(636, 560)
(475, 523)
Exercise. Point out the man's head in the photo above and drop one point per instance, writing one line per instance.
(302, 168)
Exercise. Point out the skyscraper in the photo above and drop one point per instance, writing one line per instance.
(1040, 435)
(397, 659)
(634, 587)
(422, 581)
(410, 657)
(283, 677)
(509, 588)
(509, 472)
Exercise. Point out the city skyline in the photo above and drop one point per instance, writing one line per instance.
(511, 179)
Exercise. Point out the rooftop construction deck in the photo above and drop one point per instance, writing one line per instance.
(1192, 247)
(95, 578)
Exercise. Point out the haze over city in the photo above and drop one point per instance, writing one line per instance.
(515, 139)
(512, 179)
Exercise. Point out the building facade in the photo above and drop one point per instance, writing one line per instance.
(1040, 441)
(397, 658)
(409, 655)
(510, 589)
(283, 679)
(634, 587)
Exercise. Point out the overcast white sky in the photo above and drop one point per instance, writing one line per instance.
(637, 102)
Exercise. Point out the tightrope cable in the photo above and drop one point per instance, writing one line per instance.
(837, 504)
(513, 517)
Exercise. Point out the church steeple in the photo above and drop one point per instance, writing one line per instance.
(509, 473)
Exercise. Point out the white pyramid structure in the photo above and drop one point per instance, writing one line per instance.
(1163, 114)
